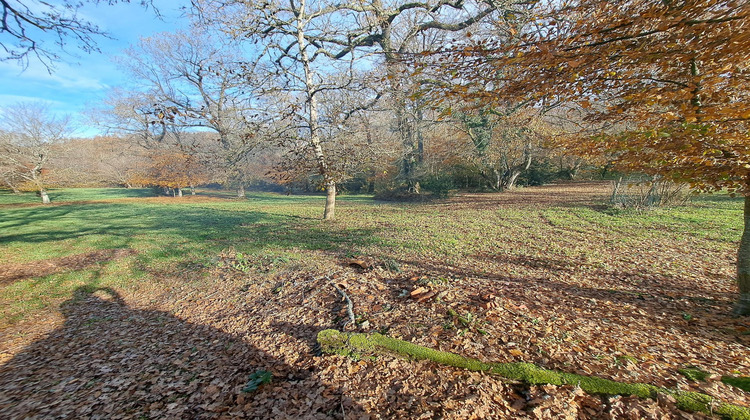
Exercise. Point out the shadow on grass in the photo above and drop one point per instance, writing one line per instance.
(75, 194)
(13, 272)
(113, 360)
(176, 230)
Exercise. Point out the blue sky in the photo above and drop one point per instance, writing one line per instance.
(81, 80)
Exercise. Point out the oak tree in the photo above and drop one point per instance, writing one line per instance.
(28, 140)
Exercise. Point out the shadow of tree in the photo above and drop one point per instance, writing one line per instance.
(110, 360)
(202, 225)
(14, 272)
(651, 298)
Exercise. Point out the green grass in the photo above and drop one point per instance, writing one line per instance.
(76, 194)
(172, 234)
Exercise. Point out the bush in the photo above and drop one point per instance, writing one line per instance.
(643, 192)
(438, 185)
(539, 173)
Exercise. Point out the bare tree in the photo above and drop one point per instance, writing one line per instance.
(292, 37)
(198, 81)
(131, 114)
(405, 28)
(28, 143)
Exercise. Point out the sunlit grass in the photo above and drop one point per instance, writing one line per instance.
(75, 194)
(168, 235)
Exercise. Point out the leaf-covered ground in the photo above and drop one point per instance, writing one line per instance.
(545, 275)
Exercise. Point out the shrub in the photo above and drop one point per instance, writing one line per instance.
(643, 192)
(438, 185)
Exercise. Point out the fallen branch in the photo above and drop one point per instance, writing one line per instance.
(355, 345)
(349, 305)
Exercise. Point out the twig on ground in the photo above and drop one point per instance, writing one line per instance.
(349, 305)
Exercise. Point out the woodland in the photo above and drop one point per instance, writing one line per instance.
(438, 209)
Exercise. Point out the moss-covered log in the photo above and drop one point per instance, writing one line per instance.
(695, 374)
(357, 345)
(741, 382)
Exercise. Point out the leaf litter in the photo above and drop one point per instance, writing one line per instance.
(185, 348)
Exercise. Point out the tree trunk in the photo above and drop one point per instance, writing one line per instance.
(492, 180)
(312, 114)
(742, 307)
(241, 191)
(497, 179)
(615, 190)
(45, 197)
(330, 209)
(192, 190)
(413, 147)
(574, 170)
(12, 186)
(179, 192)
(510, 182)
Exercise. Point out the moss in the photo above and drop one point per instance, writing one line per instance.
(626, 358)
(741, 382)
(335, 342)
(693, 373)
(416, 352)
(332, 341)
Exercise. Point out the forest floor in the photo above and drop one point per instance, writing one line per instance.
(137, 307)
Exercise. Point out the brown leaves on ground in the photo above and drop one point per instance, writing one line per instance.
(186, 348)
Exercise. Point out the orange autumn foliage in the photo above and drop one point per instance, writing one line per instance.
(172, 170)
(666, 83)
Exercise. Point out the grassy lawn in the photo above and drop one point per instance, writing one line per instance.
(76, 194)
(176, 235)
(167, 234)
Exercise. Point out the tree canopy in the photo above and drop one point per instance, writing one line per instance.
(664, 82)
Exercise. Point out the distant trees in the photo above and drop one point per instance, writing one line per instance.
(28, 140)
(318, 47)
(293, 35)
(100, 161)
(501, 146)
(198, 81)
(172, 171)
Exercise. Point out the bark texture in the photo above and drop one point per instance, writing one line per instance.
(742, 307)
(330, 209)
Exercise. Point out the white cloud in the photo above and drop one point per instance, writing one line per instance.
(64, 76)
(6, 100)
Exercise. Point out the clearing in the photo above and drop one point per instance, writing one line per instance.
(118, 305)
